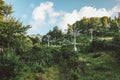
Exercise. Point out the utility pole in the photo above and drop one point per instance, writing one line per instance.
(75, 33)
(91, 31)
(48, 36)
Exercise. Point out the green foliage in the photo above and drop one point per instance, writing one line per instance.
(10, 65)
(69, 65)
(56, 36)
(11, 30)
(5, 10)
(103, 67)
(103, 26)
(24, 58)
(102, 45)
(83, 43)
(116, 41)
(12, 34)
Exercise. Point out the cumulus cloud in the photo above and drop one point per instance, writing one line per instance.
(115, 9)
(41, 12)
(44, 15)
(87, 11)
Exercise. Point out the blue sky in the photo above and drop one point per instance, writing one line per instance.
(43, 15)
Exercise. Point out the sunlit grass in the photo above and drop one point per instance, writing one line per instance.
(105, 38)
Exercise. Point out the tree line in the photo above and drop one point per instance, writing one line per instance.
(22, 56)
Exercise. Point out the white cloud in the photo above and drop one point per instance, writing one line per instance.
(87, 11)
(68, 18)
(44, 15)
(45, 9)
(115, 9)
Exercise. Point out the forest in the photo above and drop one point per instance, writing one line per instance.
(88, 50)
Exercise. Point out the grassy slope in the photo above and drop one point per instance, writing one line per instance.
(99, 66)
(103, 67)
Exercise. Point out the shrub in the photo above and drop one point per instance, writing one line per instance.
(102, 45)
(10, 66)
(69, 65)
(116, 41)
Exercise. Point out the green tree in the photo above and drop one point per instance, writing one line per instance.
(83, 25)
(36, 42)
(56, 33)
(70, 67)
(105, 21)
(13, 41)
(5, 10)
(70, 32)
(55, 36)
(12, 31)
(114, 26)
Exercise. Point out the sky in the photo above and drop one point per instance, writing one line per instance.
(43, 15)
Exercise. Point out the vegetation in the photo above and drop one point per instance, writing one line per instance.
(26, 58)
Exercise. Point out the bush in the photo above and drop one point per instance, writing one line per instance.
(116, 41)
(10, 66)
(102, 45)
(69, 64)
